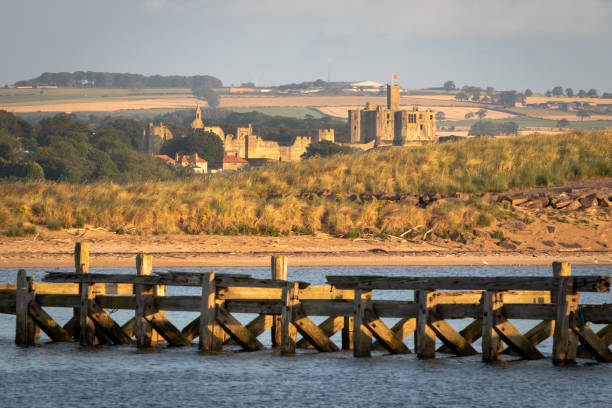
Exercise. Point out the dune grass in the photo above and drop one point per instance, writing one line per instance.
(267, 200)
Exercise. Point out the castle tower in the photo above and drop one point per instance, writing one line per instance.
(197, 123)
(393, 97)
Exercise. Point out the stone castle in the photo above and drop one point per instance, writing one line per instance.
(390, 125)
(368, 127)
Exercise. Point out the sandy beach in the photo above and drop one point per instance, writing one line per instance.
(54, 249)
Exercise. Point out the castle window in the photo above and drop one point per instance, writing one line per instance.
(421, 127)
(388, 115)
(430, 117)
(420, 116)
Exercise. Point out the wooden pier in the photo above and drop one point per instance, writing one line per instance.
(285, 307)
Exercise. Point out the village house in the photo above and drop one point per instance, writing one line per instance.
(231, 163)
(193, 161)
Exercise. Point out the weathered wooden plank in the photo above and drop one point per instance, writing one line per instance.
(386, 337)
(470, 333)
(515, 339)
(238, 293)
(48, 325)
(312, 332)
(144, 302)
(347, 332)
(454, 341)
(402, 329)
(362, 336)
(598, 313)
(279, 273)
(170, 279)
(128, 327)
(425, 338)
(593, 343)
(8, 303)
(167, 330)
(565, 341)
(257, 327)
(208, 342)
(25, 327)
(72, 327)
(537, 334)
(491, 303)
(498, 283)
(329, 327)
(109, 327)
(288, 329)
(237, 331)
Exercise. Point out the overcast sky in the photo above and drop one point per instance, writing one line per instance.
(513, 44)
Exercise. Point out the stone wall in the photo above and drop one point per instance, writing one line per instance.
(153, 137)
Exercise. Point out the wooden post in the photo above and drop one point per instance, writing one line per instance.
(87, 330)
(288, 330)
(347, 333)
(491, 303)
(144, 298)
(208, 315)
(425, 337)
(25, 326)
(565, 341)
(279, 272)
(362, 337)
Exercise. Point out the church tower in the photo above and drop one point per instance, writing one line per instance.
(197, 122)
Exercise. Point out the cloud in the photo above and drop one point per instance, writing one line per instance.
(435, 18)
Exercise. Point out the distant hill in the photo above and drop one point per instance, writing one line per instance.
(90, 79)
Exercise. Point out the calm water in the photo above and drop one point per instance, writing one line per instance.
(50, 375)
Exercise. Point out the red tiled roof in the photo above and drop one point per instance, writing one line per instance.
(234, 159)
(165, 158)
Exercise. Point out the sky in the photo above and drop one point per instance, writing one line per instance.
(507, 44)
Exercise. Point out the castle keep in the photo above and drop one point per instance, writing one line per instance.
(368, 128)
(390, 125)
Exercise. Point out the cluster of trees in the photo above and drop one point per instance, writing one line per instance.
(91, 79)
(493, 129)
(569, 92)
(206, 144)
(489, 95)
(480, 114)
(319, 83)
(325, 148)
(64, 149)
(207, 93)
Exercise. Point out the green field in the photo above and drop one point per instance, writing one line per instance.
(290, 111)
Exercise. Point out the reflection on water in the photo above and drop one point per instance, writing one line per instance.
(49, 375)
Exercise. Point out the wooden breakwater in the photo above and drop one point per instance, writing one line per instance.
(285, 307)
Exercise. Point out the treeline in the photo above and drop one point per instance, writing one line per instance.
(90, 79)
(280, 129)
(485, 128)
(63, 149)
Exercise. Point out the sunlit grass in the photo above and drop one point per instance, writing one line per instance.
(267, 200)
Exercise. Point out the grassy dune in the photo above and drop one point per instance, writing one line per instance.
(268, 201)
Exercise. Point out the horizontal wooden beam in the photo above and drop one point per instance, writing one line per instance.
(170, 279)
(7, 303)
(498, 283)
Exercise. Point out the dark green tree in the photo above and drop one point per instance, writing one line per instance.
(557, 91)
(206, 144)
(449, 86)
(569, 92)
(583, 114)
(528, 92)
(562, 123)
(325, 148)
